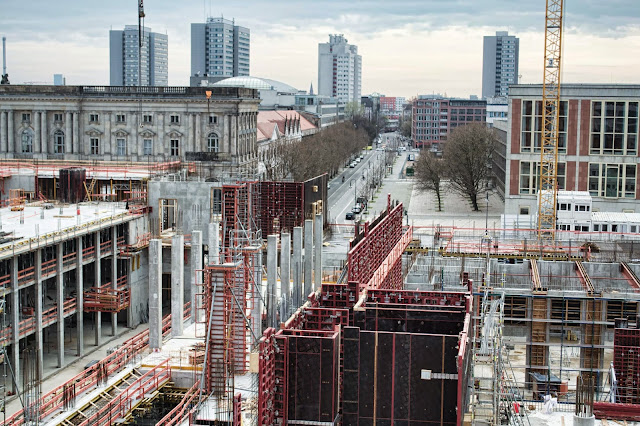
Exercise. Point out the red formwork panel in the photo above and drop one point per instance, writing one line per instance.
(240, 203)
(626, 362)
(339, 295)
(237, 409)
(424, 298)
(281, 206)
(266, 378)
(370, 248)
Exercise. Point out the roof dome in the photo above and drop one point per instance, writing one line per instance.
(249, 82)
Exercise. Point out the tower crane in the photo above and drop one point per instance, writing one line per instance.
(548, 189)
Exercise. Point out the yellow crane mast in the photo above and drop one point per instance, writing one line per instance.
(548, 189)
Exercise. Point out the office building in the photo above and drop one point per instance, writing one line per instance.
(434, 117)
(219, 49)
(339, 69)
(499, 64)
(127, 58)
(597, 147)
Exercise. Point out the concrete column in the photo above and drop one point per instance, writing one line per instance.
(10, 133)
(155, 294)
(114, 275)
(272, 266)
(177, 285)
(258, 304)
(60, 302)
(308, 258)
(297, 266)
(79, 299)
(39, 300)
(214, 243)
(285, 266)
(68, 134)
(3, 131)
(196, 269)
(36, 132)
(98, 283)
(15, 316)
(318, 232)
(44, 136)
(77, 144)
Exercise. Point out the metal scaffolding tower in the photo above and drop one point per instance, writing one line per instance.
(494, 397)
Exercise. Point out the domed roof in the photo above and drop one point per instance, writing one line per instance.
(256, 83)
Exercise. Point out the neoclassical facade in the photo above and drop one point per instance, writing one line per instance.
(217, 125)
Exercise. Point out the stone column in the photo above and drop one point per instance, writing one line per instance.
(214, 243)
(177, 285)
(318, 230)
(106, 143)
(308, 259)
(39, 296)
(77, 141)
(10, 133)
(15, 315)
(297, 266)
(196, 269)
(36, 132)
(114, 276)
(44, 136)
(155, 294)
(68, 134)
(98, 283)
(79, 299)
(233, 135)
(60, 302)
(272, 266)
(197, 146)
(3, 131)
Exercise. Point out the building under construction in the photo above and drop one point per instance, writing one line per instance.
(246, 323)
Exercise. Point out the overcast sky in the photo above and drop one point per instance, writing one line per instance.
(408, 47)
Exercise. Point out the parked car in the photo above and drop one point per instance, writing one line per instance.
(350, 216)
(356, 209)
(353, 164)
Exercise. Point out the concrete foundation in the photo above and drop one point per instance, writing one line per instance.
(177, 285)
(155, 294)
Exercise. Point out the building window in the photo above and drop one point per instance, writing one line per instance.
(147, 119)
(213, 143)
(614, 128)
(27, 140)
(530, 176)
(26, 117)
(95, 146)
(612, 180)
(57, 117)
(121, 145)
(175, 147)
(147, 146)
(58, 142)
(175, 119)
(213, 119)
(94, 118)
(532, 127)
(121, 118)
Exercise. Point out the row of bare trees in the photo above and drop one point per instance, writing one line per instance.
(323, 152)
(464, 167)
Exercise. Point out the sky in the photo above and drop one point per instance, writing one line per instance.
(408, 47)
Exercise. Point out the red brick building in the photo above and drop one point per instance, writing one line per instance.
(598, 145)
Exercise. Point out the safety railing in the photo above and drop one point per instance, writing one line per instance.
(69, 259)
(104, 299)
(88, 253)
(105, 246)
(54, 400)
(26, 275)
(122, 404)
(121, 282)
(120, 241)
(48, 268)
(180, 411)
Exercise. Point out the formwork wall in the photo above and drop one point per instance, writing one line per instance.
(281, 206)
(626, 362)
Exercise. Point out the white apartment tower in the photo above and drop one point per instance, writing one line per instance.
(339, 69)
(499, 64)
(220, 48)
(124, 51)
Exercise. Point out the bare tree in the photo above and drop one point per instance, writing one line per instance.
(467, 160)
(429, 172)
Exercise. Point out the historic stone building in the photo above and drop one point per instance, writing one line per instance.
(131, 124)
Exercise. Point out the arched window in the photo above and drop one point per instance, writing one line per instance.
(58, 142)
(27, 141)
(213, 143)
